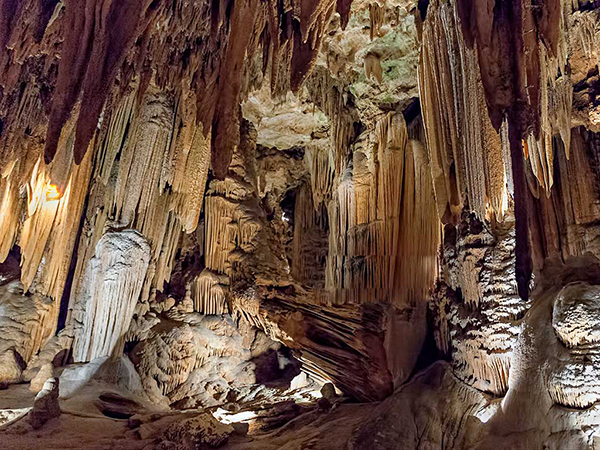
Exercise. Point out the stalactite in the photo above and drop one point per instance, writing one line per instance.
(225, 124)
(208, 292)
(85, 63)
(219, 242)
(53, 207)
(465, 151)
(376, 19)
(373, 67)
(321, 172)
(491, 369)
(375, 251)
(191, 173)
(585, 35)
(464, 99)
(309, 245)
(331, 100)
(91, 55)
(556, 100)
(150, 175)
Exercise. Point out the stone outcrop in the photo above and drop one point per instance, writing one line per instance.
(202, 431)
(45, 406)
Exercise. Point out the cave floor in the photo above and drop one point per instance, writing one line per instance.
(83, 426)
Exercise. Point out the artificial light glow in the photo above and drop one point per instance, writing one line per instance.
(52, 193)
(227, 417)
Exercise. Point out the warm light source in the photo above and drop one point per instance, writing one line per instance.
(52, 193)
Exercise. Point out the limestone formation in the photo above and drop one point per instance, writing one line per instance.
(45, 406)
(111, 287)
(300, 224)
(202, 431)
(10, 368)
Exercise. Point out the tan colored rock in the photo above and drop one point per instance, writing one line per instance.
(328, 391)
(45, 372)
(202, 431)
(11, 368)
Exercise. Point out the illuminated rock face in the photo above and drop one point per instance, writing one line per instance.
(111, 286)
(575, 321)
(224, 205)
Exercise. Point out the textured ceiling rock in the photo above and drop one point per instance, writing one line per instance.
(90, 58)
(286, 123)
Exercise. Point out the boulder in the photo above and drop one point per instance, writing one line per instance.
(46, 372)
(328, 391)
(195, 433)
(11, 368)
(45, 405)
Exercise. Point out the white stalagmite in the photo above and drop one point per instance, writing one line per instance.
(111, 287)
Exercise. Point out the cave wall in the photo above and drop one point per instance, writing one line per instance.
(432, 179)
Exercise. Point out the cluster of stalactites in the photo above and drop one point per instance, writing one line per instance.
(329, 97)
(555, 104)
(469, 160)
(309, 245)
(207, 45)
(469, 154)
(322, 172)
(228, 226)
(44, 221)
(150, 174)
(152, 158)
(384, 228)
(209, 293)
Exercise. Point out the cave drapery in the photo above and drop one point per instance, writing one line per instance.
(217, 208)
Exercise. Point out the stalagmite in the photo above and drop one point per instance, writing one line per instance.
(110, 289)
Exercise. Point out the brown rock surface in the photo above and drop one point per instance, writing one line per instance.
(212, 210)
